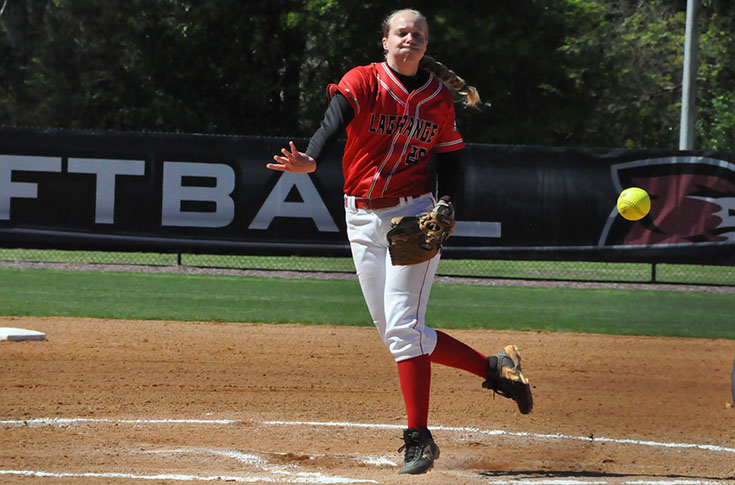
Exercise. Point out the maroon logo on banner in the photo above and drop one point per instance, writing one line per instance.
(692, 202)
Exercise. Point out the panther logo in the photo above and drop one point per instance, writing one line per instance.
(692, 202)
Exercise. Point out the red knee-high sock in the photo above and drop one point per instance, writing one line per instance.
(450, 351)
(415, 377)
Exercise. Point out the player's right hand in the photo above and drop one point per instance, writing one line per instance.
(293, 161)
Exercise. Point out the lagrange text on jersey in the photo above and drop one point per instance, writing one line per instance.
(405, 125)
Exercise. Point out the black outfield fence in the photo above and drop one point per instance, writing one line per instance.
(586, 271)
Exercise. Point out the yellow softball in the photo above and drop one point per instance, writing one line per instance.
(634, 203)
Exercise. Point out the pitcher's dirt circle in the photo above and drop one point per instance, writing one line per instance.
(133, 402)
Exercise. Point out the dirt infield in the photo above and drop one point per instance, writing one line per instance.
(130, 402)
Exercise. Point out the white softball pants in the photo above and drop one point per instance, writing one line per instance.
(396, 296)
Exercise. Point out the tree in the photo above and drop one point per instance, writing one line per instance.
(715, 125)
(551, 72)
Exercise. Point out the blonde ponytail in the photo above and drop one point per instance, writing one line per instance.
(451, 79)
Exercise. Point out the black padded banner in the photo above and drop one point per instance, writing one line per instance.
(213, 194)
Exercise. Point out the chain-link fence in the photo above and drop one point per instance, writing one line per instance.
(505, 269)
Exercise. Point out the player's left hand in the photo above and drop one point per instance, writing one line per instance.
(413, 240)
(293, 161)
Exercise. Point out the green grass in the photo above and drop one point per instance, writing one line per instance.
(609, 311)
(273, 300)
(178, 297)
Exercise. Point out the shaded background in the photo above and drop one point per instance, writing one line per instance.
(595, 73)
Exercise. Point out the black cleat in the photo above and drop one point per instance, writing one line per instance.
(504, 376)
(421, 451)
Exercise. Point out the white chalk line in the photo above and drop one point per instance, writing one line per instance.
(497, 432)
(71, 421)
(344, 424)
(321, 479)
(293, 478)
(261, 463)
(249, 459)
(274, 473)
(304, 477)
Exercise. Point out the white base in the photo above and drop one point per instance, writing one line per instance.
(18, 334)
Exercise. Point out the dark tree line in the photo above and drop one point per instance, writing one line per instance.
(551, 72)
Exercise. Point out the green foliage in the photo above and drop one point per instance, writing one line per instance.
(715, 78)
(639, 101)
(637, 85)
(551, 72)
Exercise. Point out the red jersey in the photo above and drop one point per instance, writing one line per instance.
(393, 133)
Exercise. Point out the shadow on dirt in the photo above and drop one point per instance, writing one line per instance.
(536, 474)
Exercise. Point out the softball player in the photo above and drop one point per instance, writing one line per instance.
(397, 113)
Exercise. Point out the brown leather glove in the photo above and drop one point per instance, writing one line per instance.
(413, 240)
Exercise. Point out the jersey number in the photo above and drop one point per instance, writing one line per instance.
(415, 155)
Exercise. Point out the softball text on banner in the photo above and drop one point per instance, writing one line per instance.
(213, 194)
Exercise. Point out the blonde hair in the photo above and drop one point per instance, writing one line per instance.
(429, 64)
(389, 19)
(451, 80)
